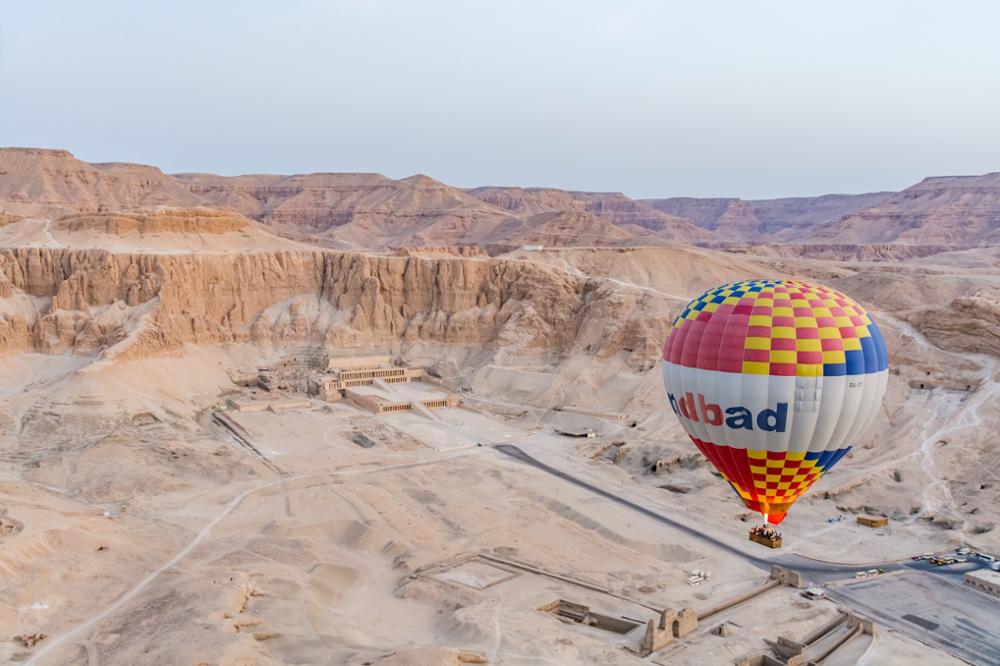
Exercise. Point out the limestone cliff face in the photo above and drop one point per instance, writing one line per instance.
(967, 324)
(56, 300)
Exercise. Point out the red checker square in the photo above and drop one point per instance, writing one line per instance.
(762, 310)
(782, 369)
(803, 312)
(786, 478)
(776, 455)
(848, 332)
(758, 355)
(807, 333)
(704, 315)
(838, 312)
(816, 302)
(824, 322)
(783, 302)
(759, 332)
(841, 300)
(832, 344)
(857, 320)
(809, 357)
(772, 485)
(730, 365)
(783, 321)
(743, 309)
(725, 309)
(747, 300)
(792, 464)
(783, 344)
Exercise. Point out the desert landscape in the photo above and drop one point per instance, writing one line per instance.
(341, 418)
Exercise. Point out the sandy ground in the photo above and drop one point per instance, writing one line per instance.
(158, 539)
(135, 529)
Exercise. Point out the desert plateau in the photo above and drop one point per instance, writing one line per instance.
(340, 418)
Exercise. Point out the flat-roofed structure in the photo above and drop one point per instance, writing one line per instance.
(872, 521)
(340, 363)
(399, 398)
(984, 580)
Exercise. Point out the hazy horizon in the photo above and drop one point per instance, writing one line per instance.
(650, 99)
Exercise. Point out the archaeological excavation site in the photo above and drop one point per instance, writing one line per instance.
(345, 419)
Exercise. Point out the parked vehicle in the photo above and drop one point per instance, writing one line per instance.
(813, 593)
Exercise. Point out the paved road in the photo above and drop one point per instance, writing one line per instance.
(963, 622)
(517, 453)
(931, 609)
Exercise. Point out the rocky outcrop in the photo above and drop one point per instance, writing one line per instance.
(633, 216)
(968, 324)
(37, 181)
(141, 304)
(186, 221)
(789, 219)
(952, 210)
(564, 228)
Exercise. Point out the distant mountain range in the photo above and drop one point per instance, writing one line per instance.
(371, 211)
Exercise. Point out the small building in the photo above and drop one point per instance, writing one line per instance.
(872, 521)
(396, 399)
(984, 580)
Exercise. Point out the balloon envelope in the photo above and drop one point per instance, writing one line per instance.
(774, 380)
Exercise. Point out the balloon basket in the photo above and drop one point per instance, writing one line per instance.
(766, 536)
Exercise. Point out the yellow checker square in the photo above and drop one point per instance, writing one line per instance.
(852, 344)
(757, 343)
(731, 300)
(843, 321)
(829, 333)
(783, 311)
(863, 331)
(808, 344)
(755, 368)
(806, 322)
(760, 320)
(795, 455)
(832, 357)
(809, 370)
(711, 307)
(783, 332)
(773, 478)
(757, 470)
(783, 356)
(784, 485)
(822, 312)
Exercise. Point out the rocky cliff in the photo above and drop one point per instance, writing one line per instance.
(954, 210)
(127, 305)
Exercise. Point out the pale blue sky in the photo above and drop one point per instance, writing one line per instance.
(747, 98)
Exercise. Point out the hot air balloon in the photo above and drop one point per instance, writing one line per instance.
(774, 381)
